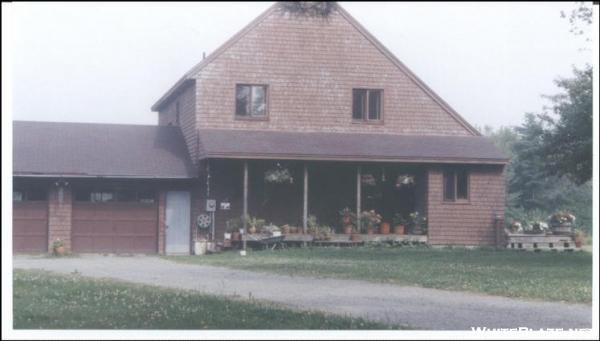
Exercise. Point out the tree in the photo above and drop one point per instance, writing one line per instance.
(568, 140)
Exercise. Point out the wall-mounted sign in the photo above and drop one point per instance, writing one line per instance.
(225, 205)
(211, 205)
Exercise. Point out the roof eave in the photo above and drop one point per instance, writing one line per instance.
(357, 158)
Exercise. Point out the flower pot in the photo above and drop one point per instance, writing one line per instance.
(578, 240)
(200, 247)
(370, 230)
(59, 251)
(384, 228)
(235, 235)
(355, 237)
(285, 229)
(399, 230)
(348, 229)
(566, 228)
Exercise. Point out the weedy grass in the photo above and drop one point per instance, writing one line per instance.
(50, 301)
(550, 276)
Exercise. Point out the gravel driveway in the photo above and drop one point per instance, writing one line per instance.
(410, 306)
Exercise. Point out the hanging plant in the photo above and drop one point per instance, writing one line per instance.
(405, 180)
(368, 180)
(279, 175)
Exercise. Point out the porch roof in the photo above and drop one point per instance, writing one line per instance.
(255, 144)
(55, 149)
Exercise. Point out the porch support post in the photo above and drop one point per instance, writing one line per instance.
(245, 219)
(358, 196)
(305, 201)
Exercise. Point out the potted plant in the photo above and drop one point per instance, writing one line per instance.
(355, 235)
(384, 228)
(562, 222)
(538, 227)
(254, 224)
(369, 220)
(348, 219)
(58, 247)
(578, 237)
(516, 227)
(418, 223)
(322, 232)
(399, 223)
(279, 175)
(232, 228)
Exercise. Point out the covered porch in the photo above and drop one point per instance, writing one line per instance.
(297, 195)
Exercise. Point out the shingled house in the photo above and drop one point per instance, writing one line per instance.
(317, 96)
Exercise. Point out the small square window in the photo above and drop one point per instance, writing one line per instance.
(366, 104)
(250, 100)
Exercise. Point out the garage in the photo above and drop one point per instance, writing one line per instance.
(115, 222)
(30, 221)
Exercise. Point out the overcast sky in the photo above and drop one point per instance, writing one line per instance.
(111, 62)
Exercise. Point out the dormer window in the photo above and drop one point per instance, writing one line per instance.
(366, 104)
(250, 101)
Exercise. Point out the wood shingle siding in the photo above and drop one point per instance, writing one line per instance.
(311, 66)
(471, 222)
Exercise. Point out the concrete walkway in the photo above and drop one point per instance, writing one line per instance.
(410, 306)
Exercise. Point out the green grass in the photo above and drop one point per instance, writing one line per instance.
(551, 276)
(50, 301)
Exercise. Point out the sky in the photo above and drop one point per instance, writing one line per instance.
(109, 62)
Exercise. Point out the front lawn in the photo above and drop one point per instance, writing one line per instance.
(548, 276)
(50, 301)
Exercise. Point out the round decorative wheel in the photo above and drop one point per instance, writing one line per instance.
(203, 221)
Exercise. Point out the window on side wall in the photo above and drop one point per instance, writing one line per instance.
(29, 195)
(250, 101)
(366, 104)
(456, 185)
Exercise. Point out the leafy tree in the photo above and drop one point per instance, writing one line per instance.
(568, 140)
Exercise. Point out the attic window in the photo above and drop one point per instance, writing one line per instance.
(250, 101)
(366, 104)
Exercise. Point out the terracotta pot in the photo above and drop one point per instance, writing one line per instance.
(235, 235)
(578, 239)
(384, 228)
(370, 229)
(59, 251)
(285, 229)
(399, 229)
(355, 237)
(348, 229)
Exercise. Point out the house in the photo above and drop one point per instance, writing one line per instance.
(316, 97)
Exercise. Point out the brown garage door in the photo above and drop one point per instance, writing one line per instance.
(115, 227)
(30, 226)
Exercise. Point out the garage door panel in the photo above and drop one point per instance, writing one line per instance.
(30, 226)
(115, 227)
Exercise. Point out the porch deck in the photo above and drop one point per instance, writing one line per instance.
(267, 240)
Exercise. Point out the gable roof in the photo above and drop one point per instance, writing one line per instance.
(188, 76)
(99, 150)
(255, 144)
